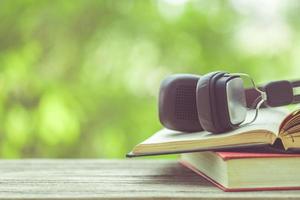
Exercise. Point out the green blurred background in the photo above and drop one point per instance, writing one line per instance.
(80, 78)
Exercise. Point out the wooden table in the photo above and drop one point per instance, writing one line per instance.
(112, 179)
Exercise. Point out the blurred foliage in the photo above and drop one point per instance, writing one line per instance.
(79, 78)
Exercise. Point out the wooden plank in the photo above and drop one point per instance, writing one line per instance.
(112, 179)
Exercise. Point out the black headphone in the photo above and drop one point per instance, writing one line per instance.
(218, 101)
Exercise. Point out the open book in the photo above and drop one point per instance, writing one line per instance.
(274, 130)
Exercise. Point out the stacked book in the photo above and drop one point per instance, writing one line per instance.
(262, 156)
(235, 171)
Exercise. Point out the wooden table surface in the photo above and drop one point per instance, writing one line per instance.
(112, 179)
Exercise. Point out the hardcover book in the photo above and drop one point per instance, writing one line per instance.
(234, 171)
(275, 130)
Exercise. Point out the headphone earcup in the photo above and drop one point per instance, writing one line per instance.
(177, 103)
(206, 102)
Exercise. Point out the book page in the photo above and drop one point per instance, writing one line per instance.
(268, 119)
(290, 131)
(290, 123)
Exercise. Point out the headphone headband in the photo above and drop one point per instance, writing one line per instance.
(279, 93)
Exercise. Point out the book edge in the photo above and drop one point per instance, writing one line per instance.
(133, 154)
(135, 150)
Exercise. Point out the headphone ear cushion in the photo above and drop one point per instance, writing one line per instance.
(206, 102)
(177, 103)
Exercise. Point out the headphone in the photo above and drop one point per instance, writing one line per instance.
(218, 101)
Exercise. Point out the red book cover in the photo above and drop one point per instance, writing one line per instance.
(237, 155)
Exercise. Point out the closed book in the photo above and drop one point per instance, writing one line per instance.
(234, 171)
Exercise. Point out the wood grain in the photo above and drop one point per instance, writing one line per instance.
(112, 179)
